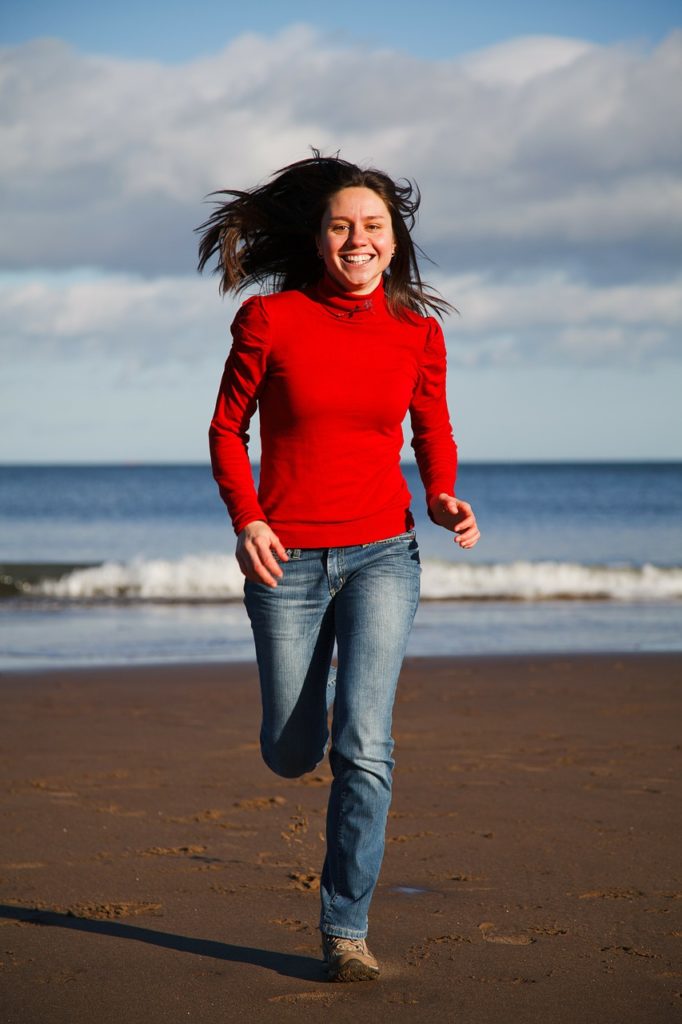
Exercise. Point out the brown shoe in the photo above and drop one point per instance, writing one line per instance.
(348, 959)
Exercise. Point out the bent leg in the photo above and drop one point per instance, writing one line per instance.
(374, 613)
(293, 630)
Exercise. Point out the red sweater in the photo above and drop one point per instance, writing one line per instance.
(333, 376)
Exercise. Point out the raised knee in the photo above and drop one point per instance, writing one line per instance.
(287, 763)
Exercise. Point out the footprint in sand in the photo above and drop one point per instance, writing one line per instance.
(293, 924)
(611, 894)
(325, 998)
(407, 837)
(297, 827)
(631, 951)
(173, 851)
(112, 911)
(259, 803)
(211, 814)
(487, 930)
(314, 780)
(118, 811)
(437, 944)
(306, 881)
(92, 911)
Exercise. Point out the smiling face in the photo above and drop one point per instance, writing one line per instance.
(356, 239)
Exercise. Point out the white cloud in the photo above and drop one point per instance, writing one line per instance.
(128, 320)
(518, 61)
(551, 318)
(143, 324)
(551, 298)
(539, 152)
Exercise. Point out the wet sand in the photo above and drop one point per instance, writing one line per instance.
(153, 870)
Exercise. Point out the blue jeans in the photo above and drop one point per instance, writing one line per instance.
(364, 597)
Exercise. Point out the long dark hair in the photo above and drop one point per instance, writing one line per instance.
(266, 235)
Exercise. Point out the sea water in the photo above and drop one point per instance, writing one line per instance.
(134, 564)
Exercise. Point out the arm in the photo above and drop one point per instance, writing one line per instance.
(434, 445)
(241, 383)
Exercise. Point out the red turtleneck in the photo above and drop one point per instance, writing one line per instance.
(333, 376)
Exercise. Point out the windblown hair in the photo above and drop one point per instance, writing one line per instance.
(267, 235)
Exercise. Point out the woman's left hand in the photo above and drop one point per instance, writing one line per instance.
(457, 516)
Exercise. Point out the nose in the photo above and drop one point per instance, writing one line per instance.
(357, 236)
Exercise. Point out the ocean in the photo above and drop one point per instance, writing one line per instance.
(134, 564)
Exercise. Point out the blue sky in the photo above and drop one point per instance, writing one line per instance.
(545, 138)
(172, 30)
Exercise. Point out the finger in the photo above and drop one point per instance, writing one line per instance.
(257, 573)
(266, 558)
(471, 543)
(469, 540)
(253, 567)
(280, 550)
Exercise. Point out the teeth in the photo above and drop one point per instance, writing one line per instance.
(357, 259)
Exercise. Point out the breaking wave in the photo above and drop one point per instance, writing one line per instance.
(206, 578)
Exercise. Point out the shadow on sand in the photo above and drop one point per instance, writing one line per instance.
(287, 964)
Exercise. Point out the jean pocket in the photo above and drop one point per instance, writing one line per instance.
(409, 535)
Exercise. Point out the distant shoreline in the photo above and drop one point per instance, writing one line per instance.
(463, 463)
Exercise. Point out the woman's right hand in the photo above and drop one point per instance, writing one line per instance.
(255, 546)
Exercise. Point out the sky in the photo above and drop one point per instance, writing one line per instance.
(545, 139)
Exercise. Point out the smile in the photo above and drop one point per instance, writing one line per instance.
(363, 258)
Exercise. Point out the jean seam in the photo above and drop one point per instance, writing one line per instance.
(339, 824)
(408, 535)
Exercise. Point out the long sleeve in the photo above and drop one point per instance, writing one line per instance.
(432, 440)
(237, 400)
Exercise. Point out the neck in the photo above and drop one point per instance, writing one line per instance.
(348, 304)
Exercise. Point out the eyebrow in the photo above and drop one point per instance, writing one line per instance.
(370, 216)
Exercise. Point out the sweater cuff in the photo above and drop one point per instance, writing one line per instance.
(249, 516)
(432, 494)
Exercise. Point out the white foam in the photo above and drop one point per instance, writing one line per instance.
(192, 578)
(542, 581)
(217, 577)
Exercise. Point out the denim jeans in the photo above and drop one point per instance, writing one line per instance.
(364, 597)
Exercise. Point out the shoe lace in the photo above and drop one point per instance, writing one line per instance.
(341, 945)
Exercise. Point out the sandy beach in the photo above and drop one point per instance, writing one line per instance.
(154, 870)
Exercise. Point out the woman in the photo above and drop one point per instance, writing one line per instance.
(333, 358)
